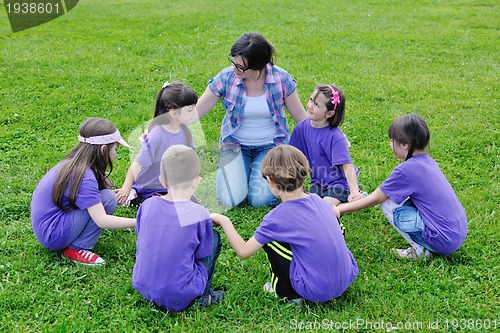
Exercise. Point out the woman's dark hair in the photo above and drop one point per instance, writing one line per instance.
(338, 118)
(172, 96)
(84, 156)
(410, 129)
(255, 50)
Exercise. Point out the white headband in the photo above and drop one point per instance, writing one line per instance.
(104, 139)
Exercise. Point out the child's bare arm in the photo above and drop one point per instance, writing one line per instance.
(373, 199)
(105, 221)
(243, 249)
(352, 181)
(122, 193)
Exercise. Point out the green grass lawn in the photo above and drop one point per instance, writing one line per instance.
(109, 58)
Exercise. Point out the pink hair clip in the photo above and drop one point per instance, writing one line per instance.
(335, 97)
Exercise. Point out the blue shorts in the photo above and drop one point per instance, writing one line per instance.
(337, 193)
(407, 219)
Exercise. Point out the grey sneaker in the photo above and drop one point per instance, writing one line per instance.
(213, 297)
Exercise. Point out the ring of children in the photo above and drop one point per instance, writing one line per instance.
(89, 89)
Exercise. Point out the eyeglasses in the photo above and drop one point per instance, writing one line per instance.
(238, 67)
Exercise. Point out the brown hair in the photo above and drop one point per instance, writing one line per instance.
(84, 156)
(286, 166)
(180, 164)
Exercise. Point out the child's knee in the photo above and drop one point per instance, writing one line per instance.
(387, 206)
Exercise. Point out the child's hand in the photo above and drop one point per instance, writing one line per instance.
(354, 196)
(121, 196)
(143, 136)
(336, 210)
(219, 220)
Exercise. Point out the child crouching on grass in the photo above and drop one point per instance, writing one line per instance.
(416, 198)
(302, 238)
(176, 245)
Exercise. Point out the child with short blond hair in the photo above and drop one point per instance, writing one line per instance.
(176, 245)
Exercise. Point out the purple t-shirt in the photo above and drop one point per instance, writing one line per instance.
(172, 237)
(420, 179)
(326, 150)
(149, 156)
(322, 266)
(51, 225)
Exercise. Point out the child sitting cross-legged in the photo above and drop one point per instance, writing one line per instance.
(176, 244)
(302, 238)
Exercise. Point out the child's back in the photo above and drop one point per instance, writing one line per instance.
(421, 179)
(322, 266)
(171, 236)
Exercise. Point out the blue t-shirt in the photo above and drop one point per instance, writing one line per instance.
(51, 225)
(172, 237)
(421, 180)
(322, 266)
(326, 150)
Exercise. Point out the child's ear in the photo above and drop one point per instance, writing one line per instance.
(162, 182)
(330, 113)
(196, 182)
(103, 150)
(270, 181)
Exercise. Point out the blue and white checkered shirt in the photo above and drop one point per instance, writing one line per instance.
(278, 85)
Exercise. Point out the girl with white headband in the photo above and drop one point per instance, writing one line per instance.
(74, 201)
(333, 176)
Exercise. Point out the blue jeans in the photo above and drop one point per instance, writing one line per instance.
(407, 219)
(210, 260)
(239, 178)
(84, 231)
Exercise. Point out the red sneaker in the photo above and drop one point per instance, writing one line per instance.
(83, 257)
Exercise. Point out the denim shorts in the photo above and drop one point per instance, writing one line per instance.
(337, 193)
(407, 219)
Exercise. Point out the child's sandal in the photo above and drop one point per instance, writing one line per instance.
(411, 253)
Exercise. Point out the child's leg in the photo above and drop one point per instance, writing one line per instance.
(210, 260)
(280, 256)
(231, 185)
(84, 231)
(387, 208)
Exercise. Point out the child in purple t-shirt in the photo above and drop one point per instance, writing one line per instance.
(74, 200)
(174, 110)
(417, 198)
(302, 238)
(333, 176)
(176, 244)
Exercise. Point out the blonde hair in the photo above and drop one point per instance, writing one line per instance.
(286, 166)
(180, 165)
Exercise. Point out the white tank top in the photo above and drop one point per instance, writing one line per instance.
(257, 127)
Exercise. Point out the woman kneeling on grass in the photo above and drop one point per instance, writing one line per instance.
(416, 198)
(74, 200)
(302, 238)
